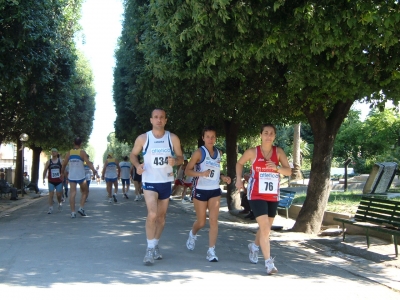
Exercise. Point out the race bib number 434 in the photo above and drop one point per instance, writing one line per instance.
(159, 157)
(268, 183)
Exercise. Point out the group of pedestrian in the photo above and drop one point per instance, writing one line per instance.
(161, 151)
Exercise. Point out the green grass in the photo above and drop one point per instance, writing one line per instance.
(340, 202)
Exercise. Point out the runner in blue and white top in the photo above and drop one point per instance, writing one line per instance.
(161, 151)
(126, 170)
(155, 155)
(111, 173)
(205, 166)
(76, 175)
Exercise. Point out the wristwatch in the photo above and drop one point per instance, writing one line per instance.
(278, 168)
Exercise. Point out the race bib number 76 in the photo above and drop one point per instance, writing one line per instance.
(268, 183)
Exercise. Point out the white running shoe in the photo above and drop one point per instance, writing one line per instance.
(60, 207)
(81, 211)
(115, 198)
(211, 256)
(253, 255)
(270, 267)
(137, 198)
(157, 254)
(50, 210)
(191, 242)
(73, 215)
(110, 200)
(185, 201)
(149, 257)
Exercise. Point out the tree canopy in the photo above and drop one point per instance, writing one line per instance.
(272, 61)
(46, 86)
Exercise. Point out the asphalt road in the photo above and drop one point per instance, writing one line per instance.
(100, 257)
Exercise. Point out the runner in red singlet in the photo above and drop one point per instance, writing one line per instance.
(268, 163)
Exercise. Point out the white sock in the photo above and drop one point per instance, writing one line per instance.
(255, 247)
(155, 242)
(191, 234)
(151, 243)
(211, 248)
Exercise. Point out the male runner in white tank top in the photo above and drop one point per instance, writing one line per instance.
(161, 151)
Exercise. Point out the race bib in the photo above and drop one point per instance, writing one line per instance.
(268, 183)
(55, 173)
(159, 157)
(214, 170)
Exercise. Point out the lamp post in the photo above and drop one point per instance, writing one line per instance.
(23, 138)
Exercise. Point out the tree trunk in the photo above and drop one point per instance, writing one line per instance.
(296, 174)
(18, 166)
(35, 164)
(324, 130)
(231, 135)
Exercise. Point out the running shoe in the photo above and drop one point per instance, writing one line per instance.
(126, 196)
(73, 215)
(110, 200)
(50, 210)
(149, 257)
(157, 254)
(211, 256)
(253, 254)
(60, 206)
(184, 201)
(270, 267)
(137, 198)
(191, 242)
(115, 198)
(81, 211)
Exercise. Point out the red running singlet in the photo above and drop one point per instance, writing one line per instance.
(263, 181)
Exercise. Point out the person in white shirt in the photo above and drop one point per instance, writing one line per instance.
(161, 151)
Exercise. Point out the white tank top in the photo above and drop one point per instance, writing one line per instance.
(125, 169)
(155, 156)
(76, 169)
(208, 163)
(111, 169)
(88, 172)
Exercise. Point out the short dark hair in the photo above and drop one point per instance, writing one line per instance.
(78, 141)
(208, 128)
(126, 158)
(267, 125)
(162, 109)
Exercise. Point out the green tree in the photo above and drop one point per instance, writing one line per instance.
(118, 149)
(41, 83)
(332, 53)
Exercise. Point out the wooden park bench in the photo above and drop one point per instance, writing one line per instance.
(285, 200)
(374, 214)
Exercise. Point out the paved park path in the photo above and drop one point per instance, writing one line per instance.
(100, 257)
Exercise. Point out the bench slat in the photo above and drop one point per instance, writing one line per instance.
(376, 214)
